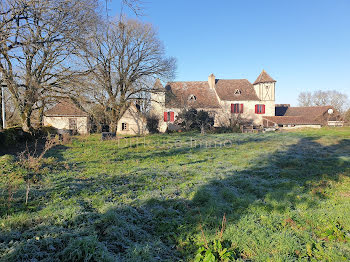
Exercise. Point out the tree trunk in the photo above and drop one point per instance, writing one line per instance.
(114, 122)
(114, 126)
(99, 127)
(26, 122)
(1, 123)
(202, 129)
(41, 117)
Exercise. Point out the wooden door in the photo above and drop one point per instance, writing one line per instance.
(73, 124)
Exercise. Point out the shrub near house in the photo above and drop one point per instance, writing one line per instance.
(195, 120)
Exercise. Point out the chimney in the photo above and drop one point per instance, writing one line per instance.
(211, 81)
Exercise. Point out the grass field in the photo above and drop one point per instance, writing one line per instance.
(178, 197)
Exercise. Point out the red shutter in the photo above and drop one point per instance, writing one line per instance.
(263, 109)
(232, 108)
(256, 109)
(241, 110)
(172, 117)
(165, 116)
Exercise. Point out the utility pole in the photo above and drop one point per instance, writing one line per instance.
(3, 105)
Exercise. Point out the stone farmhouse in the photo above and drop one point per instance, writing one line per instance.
(66, 115)
(222, 98)
(226, 99)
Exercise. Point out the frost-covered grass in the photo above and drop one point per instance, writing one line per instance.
(286, 197)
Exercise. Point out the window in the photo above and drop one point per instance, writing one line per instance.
(192, 98)
(259, 109)
(237, 92)
(237, 108)
(169, 116)
(125, 126)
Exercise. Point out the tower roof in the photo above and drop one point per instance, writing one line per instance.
(264, 78)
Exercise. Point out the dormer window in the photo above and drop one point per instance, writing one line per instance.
(237, 92)
(192, 98)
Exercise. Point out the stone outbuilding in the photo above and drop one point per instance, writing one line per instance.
(308, 116)
(65, 115)
(133, 122)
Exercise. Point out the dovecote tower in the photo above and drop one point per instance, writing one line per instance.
(264, 87)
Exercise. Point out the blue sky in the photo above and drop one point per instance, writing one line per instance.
(304, 45)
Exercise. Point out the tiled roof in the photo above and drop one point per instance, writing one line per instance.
(226, 88)
(306, 115)
(264, 78)
(65, 108)
(178, 94)
(296, 120)
(308, 111)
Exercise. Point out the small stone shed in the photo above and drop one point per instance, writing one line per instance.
(133, 122)
(67, 116)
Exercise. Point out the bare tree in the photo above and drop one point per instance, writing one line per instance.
(37, 44)
(324, 98)
(338, 100)
(347, 117)
(320, 98)
(305, 99)
(123, 58)
(135, 5)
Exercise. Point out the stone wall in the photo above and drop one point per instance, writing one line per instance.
(222, 115)
(62, 122)
(248, 111)
(300, 126)
(135, 122)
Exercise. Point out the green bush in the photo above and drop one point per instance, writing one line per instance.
(45, 131)
(216, 250)
(153, 124)
(192, 119)
(12, 136)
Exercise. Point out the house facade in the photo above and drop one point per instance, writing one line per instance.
(65, 115)
(224, 99)
(133, 122)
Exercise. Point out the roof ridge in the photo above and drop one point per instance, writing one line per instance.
(311, 106)
(264, 77)
(65, 107)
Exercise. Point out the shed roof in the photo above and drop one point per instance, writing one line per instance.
(309, 111)
(65, 107)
